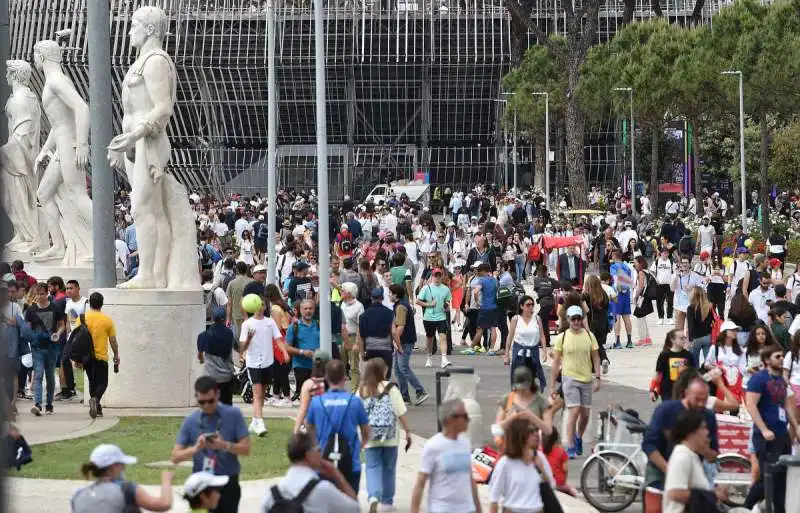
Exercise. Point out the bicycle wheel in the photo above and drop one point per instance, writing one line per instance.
(734, 474)
(610, 481)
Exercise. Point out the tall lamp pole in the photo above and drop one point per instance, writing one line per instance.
(546, 146)
(323, 231)
(633, 151)
(272, 145)
(742, 172)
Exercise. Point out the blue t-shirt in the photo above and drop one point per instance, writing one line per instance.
(488, 292)
(772, 401)
(307, 339)
(229, 421)
(338, 410)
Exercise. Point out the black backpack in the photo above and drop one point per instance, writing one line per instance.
(346, 245)
(80, 343)
(294, 505)
(337, 450)
(650, 287)
(686, 246)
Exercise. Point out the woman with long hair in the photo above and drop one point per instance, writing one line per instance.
(743, 314)
(527, 341)
(312, 387)
(381, 451)
(281, 314)
(672, 361)
(246, 249)
(597, 315)
(644, 306)
(457, 293)
(699, 322)
(517, 476)
(106, 466)
(758, 339)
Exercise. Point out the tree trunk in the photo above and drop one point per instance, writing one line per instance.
(655, 160)
(764, 179)
(539, 169)
(574, 125)
(698, 183)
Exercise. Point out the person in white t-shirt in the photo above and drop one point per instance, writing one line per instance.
(446, 466)
(257, 336)
(516, 478)
(762, 297)
(75, 306)
(706, 235)
(685, 468)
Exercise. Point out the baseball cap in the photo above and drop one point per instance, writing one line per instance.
(321, 356)
(704, 255)
(742, 250)
(218, 313)
(437, 271)
(574, 311)
(521, 378)
(259, 269)
(105, 455)
(729, 325)
(300, 266)
(476, 264)
(198, 482)
(377, 292)
(343, 227)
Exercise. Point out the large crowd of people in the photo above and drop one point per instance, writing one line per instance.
(486, 271)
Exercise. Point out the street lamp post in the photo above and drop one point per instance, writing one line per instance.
(515, 151)
(633, 152)
(546, 146)
(742, 171)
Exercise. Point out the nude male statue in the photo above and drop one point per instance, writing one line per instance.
(17, 157)
(159, 204)
(62, 189)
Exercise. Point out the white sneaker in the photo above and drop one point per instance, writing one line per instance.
(428, 363)
(445, 363)
(387, 508)
(660, 322)
(252, 427)
(260, 429)
(373, 505)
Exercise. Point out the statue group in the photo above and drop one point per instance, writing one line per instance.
(45, 189)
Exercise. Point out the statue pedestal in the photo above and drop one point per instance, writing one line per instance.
(157, 336)
(43, 271)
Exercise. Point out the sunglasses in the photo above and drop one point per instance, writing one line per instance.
(204, 402)
(576, 318)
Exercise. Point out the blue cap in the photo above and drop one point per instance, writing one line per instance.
(742, 250)
(377, 292)
(727, 251)
(218, 313)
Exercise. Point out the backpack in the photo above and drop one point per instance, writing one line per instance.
(227, 278)
(210, 300)
(650, 287)
(205, 255)
(382, 420)
(293, 505)
(20, 452)
(534, 253)
(346, 245)
(263, 231)
(686, 245)
(504, 297)
(337, 449)
(365, 288)
(80, 343)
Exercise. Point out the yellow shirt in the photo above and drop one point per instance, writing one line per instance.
(101, 327)
(576, 354)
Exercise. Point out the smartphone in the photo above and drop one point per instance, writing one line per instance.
(211, 437)
(408, 444)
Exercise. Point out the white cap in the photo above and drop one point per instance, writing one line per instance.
(729, 325)
(200, 481)
(105, 455)
(574, 311)
(259, 269)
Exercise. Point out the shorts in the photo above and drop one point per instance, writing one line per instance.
(577, 393)
(487, 319)
(260, 376)
(432, 327)
(623, 304)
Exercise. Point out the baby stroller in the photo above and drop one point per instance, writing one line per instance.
(242, 385)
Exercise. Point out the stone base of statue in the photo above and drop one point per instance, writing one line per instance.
(44, 271)
(157, 336)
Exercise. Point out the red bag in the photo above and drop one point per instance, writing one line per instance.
(716, 324)
(534, 253)
(276, 351)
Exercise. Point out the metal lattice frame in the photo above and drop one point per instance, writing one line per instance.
(411, 85)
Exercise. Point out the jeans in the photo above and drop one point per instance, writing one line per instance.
(700, 344)
(380, 353)
(405, 375)
(381, 465)
(519, 264)
(44, 366)
(522, 356)
(768, 453)
(97, 372)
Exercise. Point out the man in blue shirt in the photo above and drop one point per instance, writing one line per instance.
(302, 339)
(484, 294)
(339, 411)
(769, 405)
(213, 437)
(657, 443)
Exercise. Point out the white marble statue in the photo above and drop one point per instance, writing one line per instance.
(62, 187)
(17, 157)
(159, 204)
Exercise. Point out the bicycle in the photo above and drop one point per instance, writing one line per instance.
(613, 476)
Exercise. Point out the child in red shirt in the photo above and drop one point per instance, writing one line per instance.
(557, 457)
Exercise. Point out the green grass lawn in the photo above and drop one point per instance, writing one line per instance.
(151, 439)
(79, 375)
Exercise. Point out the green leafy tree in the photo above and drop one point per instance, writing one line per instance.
(784, 166)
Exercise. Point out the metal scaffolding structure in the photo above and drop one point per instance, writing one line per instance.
(411, 87)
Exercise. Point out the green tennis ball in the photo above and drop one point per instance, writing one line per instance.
(252, 303)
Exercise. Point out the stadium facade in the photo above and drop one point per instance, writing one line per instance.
(413, 86)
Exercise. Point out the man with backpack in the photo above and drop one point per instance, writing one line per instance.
(213, 296)
(336, 418)
(301, 489)
(102, 334)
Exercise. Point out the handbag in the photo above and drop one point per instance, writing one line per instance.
(27, 358)
(549, 497)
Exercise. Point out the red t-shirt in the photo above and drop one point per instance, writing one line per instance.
(556, 458)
